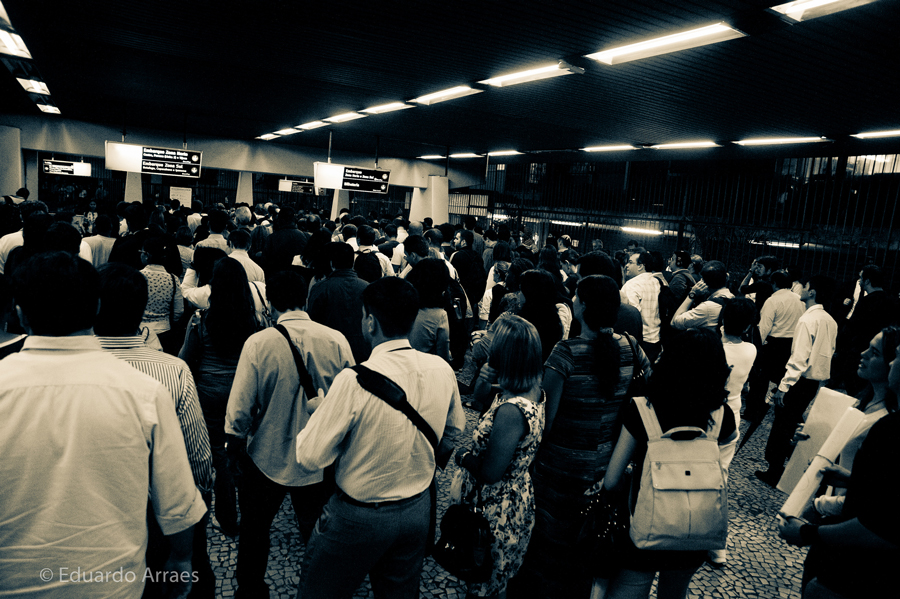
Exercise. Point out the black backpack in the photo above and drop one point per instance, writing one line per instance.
(456, 315)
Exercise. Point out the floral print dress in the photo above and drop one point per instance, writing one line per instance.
(509, 503)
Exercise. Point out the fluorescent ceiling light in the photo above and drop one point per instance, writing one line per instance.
(608, 148)
(711, 34)
(872, 134)
(268, 136)
(388, 107)
(12, 44)
(34, 87)
(431, 157)
(688, 144)
(777, 244)
(780, 140)
(641, 231)
(312, 125)
(290, 131)
(49, 108)
(504, 153)
(804, 10)
(556, 70)
(465, 155)
(459, 91)
(347, 116)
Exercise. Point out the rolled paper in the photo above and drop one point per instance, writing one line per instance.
(828, 453)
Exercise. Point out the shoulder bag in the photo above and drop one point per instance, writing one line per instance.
(464, 549)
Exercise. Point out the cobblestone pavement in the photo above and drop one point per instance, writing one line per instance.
(760, 565)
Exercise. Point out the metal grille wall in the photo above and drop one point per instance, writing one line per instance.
(824, 215)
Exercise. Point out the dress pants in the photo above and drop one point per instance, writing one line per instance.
(386, 540)
(769, 366)
(796, 400)
(261, 498)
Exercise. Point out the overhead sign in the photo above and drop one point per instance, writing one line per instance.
(64, 167)
(338, 176)
(151, 160)
(304, 185)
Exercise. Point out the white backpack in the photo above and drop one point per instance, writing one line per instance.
(682, 502)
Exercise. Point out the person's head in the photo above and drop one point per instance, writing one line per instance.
(433, 237)
(564, 243)
(632, 246)
(63, 237)
(196, 206)
(875, 362)
(568, 261)
(871, 277)
(597, 302)
(447, 232)
(516, 354)
(548, 259)
(367, 267)
(390, 231)
(30, 207)
(430, 278)
(154, 250)
(501, 252)
(339, 255)
(516, 269)
(714, 275)
(781, 279)
(537, 288)
(204, 261)
(218, 222)
(415, 227)
(819, 290)
(737, 316)
(390, 306)
(599, 263)
(135, 217)
(286, 290)
(37, 285)
(284, 218)
(123, 298)
(348, 232)
(490, 237)
(638, 264)
(183, 235)
(428, 222)
(696, 264)
(416, 249)
(678, 260)
(103, 226)
(366, 235)
(464, 238)
(243, 217)
(678, 395)
(92, 206)
(501, 270)
(765, 266)
(239, 239)
(470, 222)
(23, 193)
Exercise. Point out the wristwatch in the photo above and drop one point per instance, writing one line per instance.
(691, 295)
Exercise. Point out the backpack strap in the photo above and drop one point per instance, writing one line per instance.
(392, 394)
(266, 308)
(648, 415)
(305, 379)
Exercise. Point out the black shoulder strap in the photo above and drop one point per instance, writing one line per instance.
(392, 394)
(305, 379)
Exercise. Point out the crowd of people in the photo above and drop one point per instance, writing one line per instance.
(215, 361)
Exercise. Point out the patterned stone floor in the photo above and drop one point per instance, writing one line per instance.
(760, 565)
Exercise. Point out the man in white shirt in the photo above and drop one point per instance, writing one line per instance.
(641, 289)
(366, 238)
(701, 308)
(11, 241)
(88, 442)
(809, 365)
(218, 222)
(378, 521)
(239, 243)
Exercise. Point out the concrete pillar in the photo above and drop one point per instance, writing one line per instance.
(11, 161)
(341, 200)
(32, 172)
(134, 190)
(433, 201)
(244, 188)
(420, 204)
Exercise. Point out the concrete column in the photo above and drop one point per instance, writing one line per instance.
(11, 161)
(341, 200)
(244, 188)
(134, 190)
(433, 201)
(420, 204)
(32, 172)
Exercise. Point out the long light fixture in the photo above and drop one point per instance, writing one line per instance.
(692, 38)
(268, 136)
(290, 131)
(465, 155)
(12, 44)
(780, 140)
(609, 148)
(388, 107)
(432, 157)
(49, 108)
(686, 145)
(804, 10)
(33, 86)
(505, 153)
(347, 116)
(641, 231)
(873, 134)
(460, 91)
(312, 125)
(556, 70)
(777, 244)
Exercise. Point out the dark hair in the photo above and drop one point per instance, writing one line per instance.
(470, 221)
(770, 263)
(516, 354)
(366, 235)
(7, 303)
(645, 259)
(824, 287)
(339, 254)
(204, 261)
(284, 218)
(430, 278)
(781, 279)
(240, 239)
(348, 232)
(502, 252)
(678, 395)
(183, 235)
(415, 244)
(697, 263)
(368, 267)
(286, 290)
(466, 236)
(231, 317)
(874, 274)
(599, 263)
(38, 283)
(682, 259)
(390, 230)
(447, 232)
(218, 221)
(103, 226)
(714, 275)
(123, 299)
(737, 315)
(490, 235)
(516, 268)
(394, 303)
(34, 231)
(540, 307)
(62, 237)
(156, 250)
(135, 217)
(600, 296)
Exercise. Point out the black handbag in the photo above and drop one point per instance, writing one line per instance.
(604, 533)
(464, 549)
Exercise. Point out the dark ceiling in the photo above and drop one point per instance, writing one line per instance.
(241, 69)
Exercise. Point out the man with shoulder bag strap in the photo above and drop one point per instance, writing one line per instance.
(377, 522)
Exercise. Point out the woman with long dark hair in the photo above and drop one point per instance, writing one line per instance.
(539, 308)
(212, 348)
(586, 379)
(165, 303)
